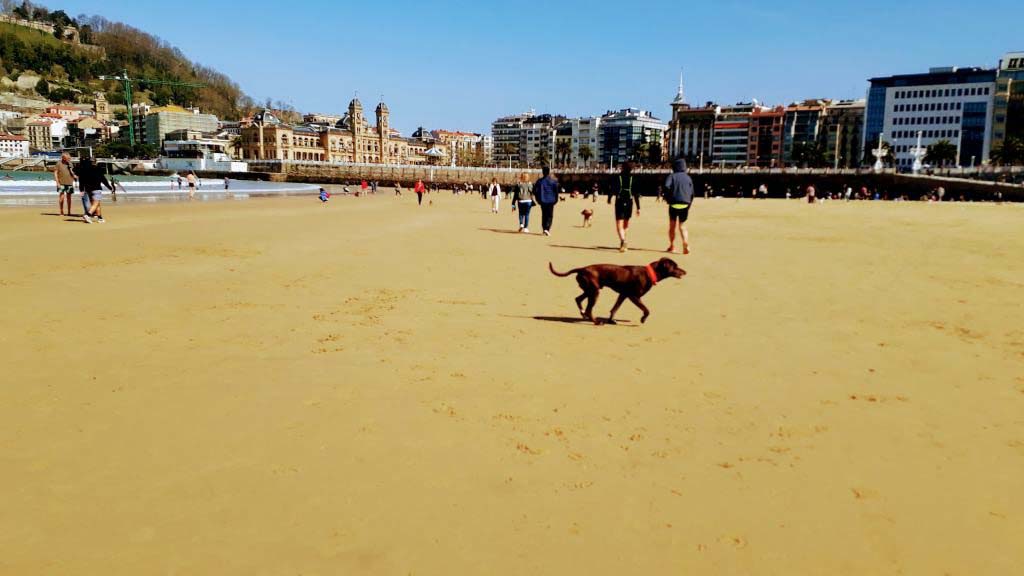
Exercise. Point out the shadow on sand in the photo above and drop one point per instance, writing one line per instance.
(506, 231)
(606, 249)
(572, 320)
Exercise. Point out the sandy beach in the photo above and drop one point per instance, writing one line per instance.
(273, 386)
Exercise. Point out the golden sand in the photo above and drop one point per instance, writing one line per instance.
(277, 387)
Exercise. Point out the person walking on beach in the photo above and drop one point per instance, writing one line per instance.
(179, 181)
(595, 190)
(494, 191)
(191, 177)
(227, 184)
(324, 196)
(625, 195)
(679, 197)
(419, 189)
(545, 190)
(363, 186)
(92, 180)
(398, 188)
(64, 176)
(523, 202)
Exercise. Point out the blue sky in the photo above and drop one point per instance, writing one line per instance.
(459, 65)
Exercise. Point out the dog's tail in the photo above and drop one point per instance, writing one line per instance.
(561, 274)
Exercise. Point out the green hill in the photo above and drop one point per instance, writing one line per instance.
(73, 71)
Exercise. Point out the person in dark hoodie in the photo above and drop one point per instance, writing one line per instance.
(91, 181)
(545, 191)
(626, 195)
(679, 197)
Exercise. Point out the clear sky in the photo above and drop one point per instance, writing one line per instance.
(459, 65)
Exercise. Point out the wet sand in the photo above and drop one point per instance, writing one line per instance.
(277, 387)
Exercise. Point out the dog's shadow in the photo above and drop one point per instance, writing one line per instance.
(573, 320)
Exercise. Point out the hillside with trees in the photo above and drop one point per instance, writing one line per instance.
(71, 71)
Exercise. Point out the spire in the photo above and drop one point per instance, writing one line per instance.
(680, 95)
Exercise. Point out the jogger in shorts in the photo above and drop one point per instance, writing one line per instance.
(64, 175)
(679, 197)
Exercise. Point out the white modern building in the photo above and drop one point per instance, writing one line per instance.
(624, 131)
(13, 146)
(952, 104)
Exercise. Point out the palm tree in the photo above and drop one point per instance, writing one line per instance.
(941, 153)
(563, 150)
(586, 153)
(1009, 153)
(541, 157)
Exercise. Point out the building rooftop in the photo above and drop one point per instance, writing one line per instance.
(941, 75)
(12, 137)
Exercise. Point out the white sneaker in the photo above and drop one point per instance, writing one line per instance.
(86, 218)
(526, 230)
(101, 220)
(546, 233)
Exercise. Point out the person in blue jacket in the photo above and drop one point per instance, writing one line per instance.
(545, 190)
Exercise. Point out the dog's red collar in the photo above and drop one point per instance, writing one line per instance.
(651, 274)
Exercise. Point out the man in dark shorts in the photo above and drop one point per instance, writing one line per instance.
(679, 197)
(625, 195)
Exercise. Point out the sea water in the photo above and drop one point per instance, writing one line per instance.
(39, 188)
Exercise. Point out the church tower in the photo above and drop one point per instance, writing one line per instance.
(383, 132)
(357, 125)
(102, 107)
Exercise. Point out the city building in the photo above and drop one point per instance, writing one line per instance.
(582, 139)
(325, 119)
(537, 139)
(45, 132)
(88, 131)
(69, 113)
(506, 132)
(731, 134)
(351, 139)
(690, 129)
(467, 147)
(628, 134)
(843, 128)
(952, 104)
(764, 141)
(158, 121)
(487, 143)
(691, 132)
(802, 126)
(1008, 115)
(13, 146)
(524, 139)
(6, 116)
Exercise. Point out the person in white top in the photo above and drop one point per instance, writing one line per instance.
(494, 192)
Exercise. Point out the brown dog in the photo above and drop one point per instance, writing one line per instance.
(629, 281)
(587, 215)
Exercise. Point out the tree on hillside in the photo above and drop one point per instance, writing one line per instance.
(7, 6)
(942, 153)
(24, 11)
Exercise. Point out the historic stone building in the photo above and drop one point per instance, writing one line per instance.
(350, 139)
